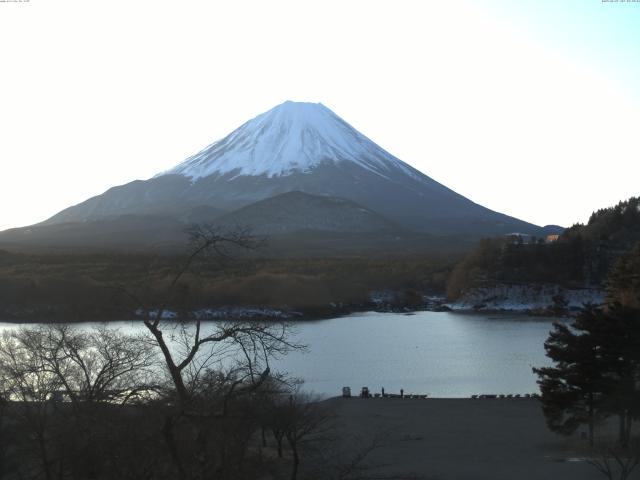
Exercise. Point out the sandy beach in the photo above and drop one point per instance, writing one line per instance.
(464, 438)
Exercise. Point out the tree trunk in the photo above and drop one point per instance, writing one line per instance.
(622, 429)
(591, 419)
(174, 371)
(167, 432)
(45, 458)
(278, 436)
(627, 432)
(60, 469)
(296, 462)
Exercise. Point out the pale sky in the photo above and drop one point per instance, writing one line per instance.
(530, 108)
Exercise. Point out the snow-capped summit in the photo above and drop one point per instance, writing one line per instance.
(297, 147)
(291, 137)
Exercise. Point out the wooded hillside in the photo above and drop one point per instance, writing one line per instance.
(582, 255)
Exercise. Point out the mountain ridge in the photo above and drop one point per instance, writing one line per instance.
(298, 211)
(294, 147)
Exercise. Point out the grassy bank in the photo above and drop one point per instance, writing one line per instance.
(90, 287)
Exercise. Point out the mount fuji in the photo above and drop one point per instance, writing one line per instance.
(294, 147)
(291, 138)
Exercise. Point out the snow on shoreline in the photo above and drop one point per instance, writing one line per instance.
(503, 297)
(222, 313)
(522, 298)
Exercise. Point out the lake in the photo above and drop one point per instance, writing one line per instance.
(443, 354)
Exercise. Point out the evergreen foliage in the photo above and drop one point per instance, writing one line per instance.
(582, 256)
(573, 389)
(623, 284)
(596, 372)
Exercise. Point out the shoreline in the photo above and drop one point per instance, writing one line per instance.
(275, 314)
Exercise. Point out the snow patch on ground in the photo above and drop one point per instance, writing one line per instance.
(166, 314)
(382, 297)
(525, 298)
(408, 300)
(226, 313)
(244, 313)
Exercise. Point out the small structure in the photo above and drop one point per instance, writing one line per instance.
(346, 392)
(552, 238)
(364, 393)
(519, 238)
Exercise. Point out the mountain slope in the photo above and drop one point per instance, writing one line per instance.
(299, 147)
(295, 211)
(123, 233)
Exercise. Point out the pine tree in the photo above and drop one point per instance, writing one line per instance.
(573, 389)
(619, 338)
(596, 372)
(623, 283)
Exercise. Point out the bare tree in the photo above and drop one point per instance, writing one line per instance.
(318, 447)
(215, 368)
(62, 384)
(26, 382)
(101, 365)
(185, 403)
(615, 462)
(303, 421)
(193, 347)
(4, 436)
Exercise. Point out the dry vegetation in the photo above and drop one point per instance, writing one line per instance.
(186, 400)
(82, 287)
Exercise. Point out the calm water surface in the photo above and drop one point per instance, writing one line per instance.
(442, 354)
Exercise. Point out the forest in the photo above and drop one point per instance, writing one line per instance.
(581, 256)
